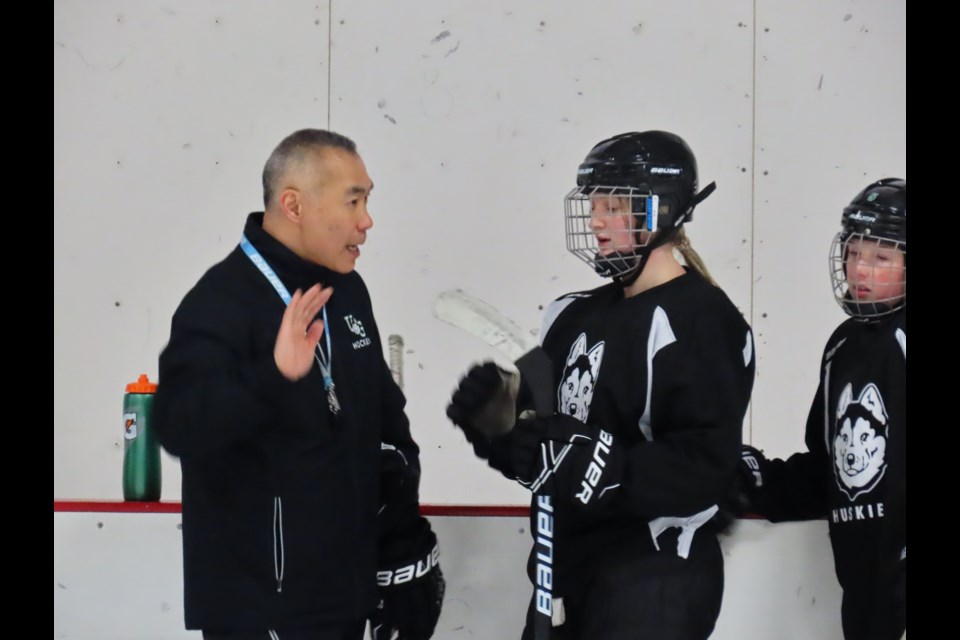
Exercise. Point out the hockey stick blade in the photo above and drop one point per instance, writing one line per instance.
(478, 318)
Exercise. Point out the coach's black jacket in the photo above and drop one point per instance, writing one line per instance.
(280, 501)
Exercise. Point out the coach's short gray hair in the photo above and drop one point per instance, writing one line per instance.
(294, 148)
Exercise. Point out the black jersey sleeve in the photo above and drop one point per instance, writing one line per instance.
(796, 488)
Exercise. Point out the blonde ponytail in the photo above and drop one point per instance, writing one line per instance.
(690, 256)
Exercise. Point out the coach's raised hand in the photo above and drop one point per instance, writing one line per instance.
(300, 330)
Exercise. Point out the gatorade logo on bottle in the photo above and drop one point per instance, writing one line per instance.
(130, 426)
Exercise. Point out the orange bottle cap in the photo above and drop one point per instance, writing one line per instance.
(142, 385)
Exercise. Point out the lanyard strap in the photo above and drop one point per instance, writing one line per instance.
(325, 360)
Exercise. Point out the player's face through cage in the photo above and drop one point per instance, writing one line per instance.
(869, 275)
(607, 226)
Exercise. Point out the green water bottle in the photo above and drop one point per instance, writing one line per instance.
(141, 449)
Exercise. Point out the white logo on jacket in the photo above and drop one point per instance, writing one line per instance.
(580, 378)
(859, 448)
(356, 327)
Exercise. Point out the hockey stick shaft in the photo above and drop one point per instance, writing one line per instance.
(537, 372)
(395, 346)
(480, 319)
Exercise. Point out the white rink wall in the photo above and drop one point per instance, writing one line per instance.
(117, 576)
(471, 118)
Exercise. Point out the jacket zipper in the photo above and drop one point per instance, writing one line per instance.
(278, 557)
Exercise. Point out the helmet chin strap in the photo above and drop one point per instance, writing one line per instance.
(700, 197)
(871, 312)
(643, 254)
(616, 264)
(631, 276)
(661, 238)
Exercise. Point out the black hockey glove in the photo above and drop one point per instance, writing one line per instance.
(486, 401)
(583, 463)
(749, 481)
(751, 469)
(411, 589)
(578, 462)
(484, 395)
(490, 398)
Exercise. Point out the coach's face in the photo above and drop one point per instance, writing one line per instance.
(328, 196)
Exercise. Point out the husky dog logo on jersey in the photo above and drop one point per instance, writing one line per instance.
(859, 448)
(579, 378)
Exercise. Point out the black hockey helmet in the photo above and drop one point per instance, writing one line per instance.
(652, 162)
(657, 172)
(879, 211)
(878, 214)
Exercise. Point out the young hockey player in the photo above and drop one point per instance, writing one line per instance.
(652, 375)
(854, 472)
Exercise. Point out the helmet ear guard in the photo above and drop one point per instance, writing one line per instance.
(646, 209)
(671, 218)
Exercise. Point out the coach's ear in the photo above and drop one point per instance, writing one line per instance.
(290, 204)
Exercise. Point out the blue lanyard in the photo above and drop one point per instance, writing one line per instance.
(325, 361)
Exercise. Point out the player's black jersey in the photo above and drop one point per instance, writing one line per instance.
(669, 373)
(854, 472)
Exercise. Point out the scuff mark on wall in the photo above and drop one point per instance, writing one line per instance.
(92, 66)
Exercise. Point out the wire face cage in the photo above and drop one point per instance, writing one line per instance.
(606, 226)
(868, 274)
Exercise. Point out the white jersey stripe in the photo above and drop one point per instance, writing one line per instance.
(661, 335)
